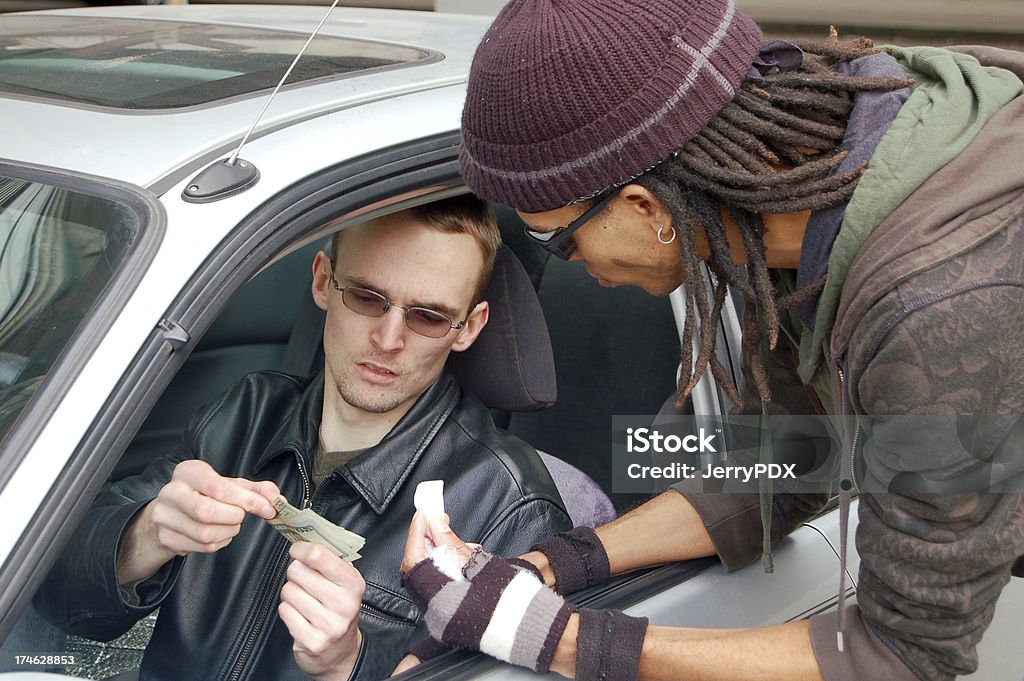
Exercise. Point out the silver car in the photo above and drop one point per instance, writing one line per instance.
(147, 262)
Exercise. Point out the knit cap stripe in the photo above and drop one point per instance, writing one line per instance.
(616, 146)
(500, 637)
(703, 56)
(700, 58)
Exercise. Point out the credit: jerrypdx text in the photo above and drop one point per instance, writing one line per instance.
(647, 440)
(802, 453)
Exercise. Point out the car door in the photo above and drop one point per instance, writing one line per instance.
(300, 214)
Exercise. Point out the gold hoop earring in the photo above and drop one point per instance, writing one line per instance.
(672, 238)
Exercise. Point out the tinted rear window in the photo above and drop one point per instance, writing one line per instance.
(59, 250)
(136, 64)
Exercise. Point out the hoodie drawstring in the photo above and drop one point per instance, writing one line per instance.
(848, 444)
(764, 483)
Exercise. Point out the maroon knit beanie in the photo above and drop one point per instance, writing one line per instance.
(569, 97)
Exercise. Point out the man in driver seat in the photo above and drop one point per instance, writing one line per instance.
(188, 534)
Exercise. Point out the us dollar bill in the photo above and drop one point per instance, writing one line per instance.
(308, 525)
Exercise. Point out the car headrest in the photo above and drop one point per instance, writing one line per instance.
(510, 366)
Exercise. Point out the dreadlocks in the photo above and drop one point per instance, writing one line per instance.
(796, 119)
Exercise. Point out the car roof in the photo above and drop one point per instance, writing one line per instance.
(144, 147)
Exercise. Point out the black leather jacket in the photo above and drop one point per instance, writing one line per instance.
(218, 612)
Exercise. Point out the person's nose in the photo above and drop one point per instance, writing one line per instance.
(388, 332)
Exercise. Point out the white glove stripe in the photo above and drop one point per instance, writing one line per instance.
(499, 637)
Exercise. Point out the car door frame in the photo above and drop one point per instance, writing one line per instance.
(355, 190)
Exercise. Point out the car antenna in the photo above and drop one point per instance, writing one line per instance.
(233, 175)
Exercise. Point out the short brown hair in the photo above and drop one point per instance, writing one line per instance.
(463, 214)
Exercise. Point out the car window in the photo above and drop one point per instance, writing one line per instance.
(164, 64)
(58, 250)
(254, 330)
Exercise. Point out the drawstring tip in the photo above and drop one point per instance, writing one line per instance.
(839, 640)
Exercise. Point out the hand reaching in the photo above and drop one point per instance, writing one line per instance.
(471, 599)
(474, 600)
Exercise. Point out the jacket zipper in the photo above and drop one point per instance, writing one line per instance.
(365, 607)
(307, 494)
(277, 582)
(856, 432)
(377, 612)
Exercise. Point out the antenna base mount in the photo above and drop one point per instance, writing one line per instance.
(221, 180)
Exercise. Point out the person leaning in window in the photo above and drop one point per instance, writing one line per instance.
(352, 441)
(876, 202)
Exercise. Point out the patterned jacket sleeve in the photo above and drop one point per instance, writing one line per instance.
(937, 546)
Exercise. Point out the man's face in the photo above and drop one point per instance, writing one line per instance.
(378, 364)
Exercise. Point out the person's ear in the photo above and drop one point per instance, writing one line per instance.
(475, 323)
(639, 198)
(646, 206)
(321, 286)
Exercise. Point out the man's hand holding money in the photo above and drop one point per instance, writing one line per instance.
(320, 601)
(198, 511)
(320, 606)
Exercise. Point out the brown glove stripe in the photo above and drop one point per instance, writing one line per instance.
(503, 611)
(428, 579)
(428, 649)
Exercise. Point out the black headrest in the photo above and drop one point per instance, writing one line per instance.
(510, 366)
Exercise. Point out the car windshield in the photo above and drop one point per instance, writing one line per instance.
(58, 251)
(137, 64)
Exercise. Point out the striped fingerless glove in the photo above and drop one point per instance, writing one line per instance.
(495, 607)
(507, 612)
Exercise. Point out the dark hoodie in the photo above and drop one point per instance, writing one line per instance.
(922, 315)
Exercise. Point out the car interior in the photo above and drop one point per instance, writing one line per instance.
(552, 330)
(271, 323)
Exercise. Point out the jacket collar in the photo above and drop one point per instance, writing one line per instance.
(299, 429)
(378, 473)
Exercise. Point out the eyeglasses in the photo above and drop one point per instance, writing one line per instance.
(559, 241)
(369, 303)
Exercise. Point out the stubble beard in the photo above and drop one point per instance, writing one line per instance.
(373, 404)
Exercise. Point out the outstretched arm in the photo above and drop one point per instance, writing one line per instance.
(781, 651)
(676, 654)
(669, 516)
